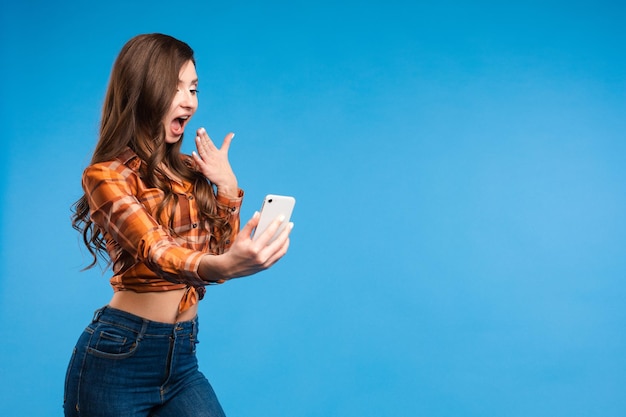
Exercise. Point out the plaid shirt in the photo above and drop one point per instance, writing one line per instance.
(145, 256)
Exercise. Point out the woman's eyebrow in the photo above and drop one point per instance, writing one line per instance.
(194, 81)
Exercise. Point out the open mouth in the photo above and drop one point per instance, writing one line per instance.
(178, 125)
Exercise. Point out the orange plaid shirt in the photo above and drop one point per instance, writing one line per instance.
(145, 256)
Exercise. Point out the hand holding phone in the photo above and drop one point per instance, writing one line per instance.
(273, 207)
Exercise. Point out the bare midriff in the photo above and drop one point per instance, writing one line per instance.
(155, 306)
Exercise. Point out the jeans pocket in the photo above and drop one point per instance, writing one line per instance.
(68, 375)
(113, 343)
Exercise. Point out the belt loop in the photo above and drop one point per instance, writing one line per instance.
(97, 314)
(144, 329)
(194, 329)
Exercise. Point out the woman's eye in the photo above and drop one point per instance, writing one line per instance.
(193, 91)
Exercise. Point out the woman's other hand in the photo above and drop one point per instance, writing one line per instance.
(247, 256)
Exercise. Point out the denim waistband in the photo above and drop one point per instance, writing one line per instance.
(141, 325)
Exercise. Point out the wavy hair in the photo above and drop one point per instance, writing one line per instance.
(141, 88)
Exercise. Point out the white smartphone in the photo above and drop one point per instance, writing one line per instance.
(274, 206)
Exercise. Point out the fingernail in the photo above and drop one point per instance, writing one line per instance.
(281, 218)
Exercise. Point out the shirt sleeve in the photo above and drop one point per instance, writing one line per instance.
(115, 209)
(229, 208)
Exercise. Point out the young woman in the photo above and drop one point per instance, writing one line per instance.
(169, 225)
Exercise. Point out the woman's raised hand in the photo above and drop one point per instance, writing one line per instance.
(213, 163)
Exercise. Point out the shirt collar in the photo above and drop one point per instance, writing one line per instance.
(129, 158)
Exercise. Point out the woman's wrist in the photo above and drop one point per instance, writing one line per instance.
(230, 191)
(213, 268)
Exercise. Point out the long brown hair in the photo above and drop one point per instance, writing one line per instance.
(141, 89)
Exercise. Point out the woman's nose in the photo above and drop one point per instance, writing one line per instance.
(188, 100)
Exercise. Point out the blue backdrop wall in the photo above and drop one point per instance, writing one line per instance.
(459, 242)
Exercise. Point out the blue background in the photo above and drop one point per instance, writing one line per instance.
(459, 242)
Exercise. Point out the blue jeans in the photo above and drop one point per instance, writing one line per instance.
(127, 366)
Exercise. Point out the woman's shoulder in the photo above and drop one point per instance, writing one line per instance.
(126, 163)
(121, 172)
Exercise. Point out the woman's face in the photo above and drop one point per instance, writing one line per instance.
(184, 104)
